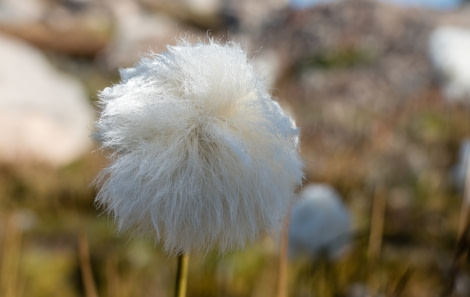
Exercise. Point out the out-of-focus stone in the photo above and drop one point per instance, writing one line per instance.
(45, 115)
(250, 15)
(14, 11)
(202, 13)
(456, 17)
(137, 32)
(71, 27)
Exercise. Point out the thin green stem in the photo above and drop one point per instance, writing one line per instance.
(182, 275)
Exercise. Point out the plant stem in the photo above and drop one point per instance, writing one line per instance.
(10, 259)
(282, 277)
(181, 275)
(85, 265)
(377, 223)
(464, 209)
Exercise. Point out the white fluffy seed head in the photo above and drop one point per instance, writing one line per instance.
(320, 224)
(201, 156)
(449, 50)
(458, 173)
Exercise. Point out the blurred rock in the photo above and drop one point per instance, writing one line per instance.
(456, 17)
(250, 16)
(13, 11)
(202, 13)
(219, 15)
(44, 115)
(320, 225)
(69, 26)
(136, 32)
(144, 25)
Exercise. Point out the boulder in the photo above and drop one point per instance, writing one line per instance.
(45, 115)
(72, 27)
(138, 32)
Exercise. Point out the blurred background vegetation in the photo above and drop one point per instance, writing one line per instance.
(357, 75)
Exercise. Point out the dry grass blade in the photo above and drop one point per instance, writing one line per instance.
(377, 223)
(463, 217)
(9, 269)
(282, 281)
(85, 265)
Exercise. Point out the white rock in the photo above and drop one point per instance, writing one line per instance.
(449, 50)
(44, 115)
(319, 225)
(14, 11)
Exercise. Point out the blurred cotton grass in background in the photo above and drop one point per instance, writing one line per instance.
(320, 233)
(202, 157)
(449, 48)
(320, 224)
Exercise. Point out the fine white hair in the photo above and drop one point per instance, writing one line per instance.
(320, 224)
(449, 50)
(201, 156)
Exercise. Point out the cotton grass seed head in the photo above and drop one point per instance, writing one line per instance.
(320, 224)
(201, 156)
